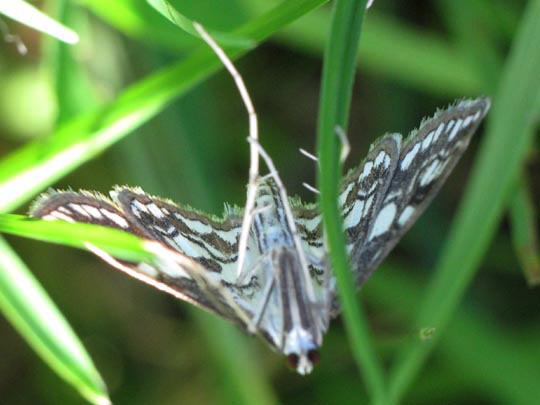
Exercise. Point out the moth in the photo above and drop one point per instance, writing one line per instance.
(265, 268)
(285, 293)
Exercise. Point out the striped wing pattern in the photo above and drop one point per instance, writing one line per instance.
(383, 197)
(379, 201)
(211, 243)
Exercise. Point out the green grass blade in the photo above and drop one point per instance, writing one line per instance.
(499, 164)
(32, 168)
(119, 244)
(525, 232)
(338, 76)
(170, 13)
(33, 314)
(27, 14)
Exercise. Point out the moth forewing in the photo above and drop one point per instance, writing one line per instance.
(425, 160)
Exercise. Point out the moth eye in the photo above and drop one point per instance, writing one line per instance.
(292, 360)
(313, 356)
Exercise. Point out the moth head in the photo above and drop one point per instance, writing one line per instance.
(301, 350)
(303, 363)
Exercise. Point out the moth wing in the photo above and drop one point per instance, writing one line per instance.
(425, 160)
(211, 242)
(362, 193)
(190, 279)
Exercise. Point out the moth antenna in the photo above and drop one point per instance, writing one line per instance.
(253, 134)
(308, 155)
(345, 145)
(311, 188)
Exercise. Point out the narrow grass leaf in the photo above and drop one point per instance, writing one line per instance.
(119, 244)
(499, 163)
(33, 167)
(338, 76)
(33, 314)
(27, 14)
(170, 13)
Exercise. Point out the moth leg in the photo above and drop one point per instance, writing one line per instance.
(309, 155)
(257, 317)
(311, 188)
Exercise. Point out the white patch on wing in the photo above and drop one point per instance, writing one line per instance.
(191, 249)
(139, 206)
(93, 211)
(426, 143)
(384, 221)
(155, 211)
(373, 187)
(355, 215)
(150, 271)
(343, 196)
(77, 208)
(66, 211)
(197, 226)
(187, 247)
(450, 125)
(368, 203)
(438, 132)
(467, 121)
(367, 170)
(430, 173)
(117, 219)
(231, 236)
(407, 160)
(312, 224)
(405, 215)
(173, 270)
(381, 158)
(55, 215)
(455, 129)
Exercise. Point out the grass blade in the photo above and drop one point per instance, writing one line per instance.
(29, 15)
(33, 314)
(499, 164)
(32, 168)
(338, 76)
(119, 244)
(170, 13)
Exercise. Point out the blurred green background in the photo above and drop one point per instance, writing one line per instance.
(414, 57)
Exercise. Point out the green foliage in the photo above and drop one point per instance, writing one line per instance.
(150, 350)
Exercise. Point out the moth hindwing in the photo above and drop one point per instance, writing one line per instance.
(284, 291)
